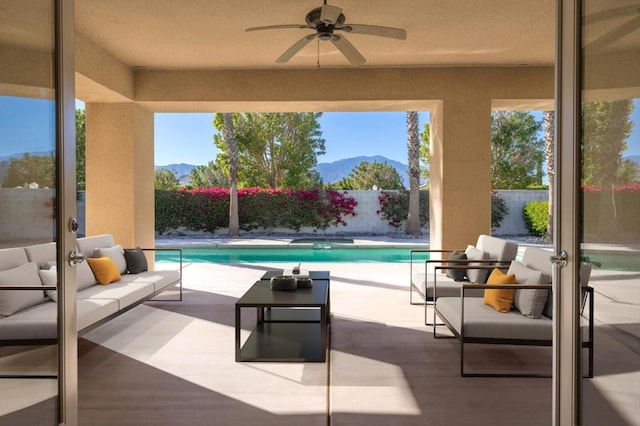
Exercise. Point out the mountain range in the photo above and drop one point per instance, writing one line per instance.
(329, 172)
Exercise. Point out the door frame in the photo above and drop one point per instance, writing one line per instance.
(66, 209)
(567, 355)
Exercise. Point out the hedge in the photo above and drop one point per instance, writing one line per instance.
(207, 209)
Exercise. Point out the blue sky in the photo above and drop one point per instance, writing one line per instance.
(187, 137)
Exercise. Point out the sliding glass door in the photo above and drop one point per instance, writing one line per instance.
(598, 210)
(37, 200)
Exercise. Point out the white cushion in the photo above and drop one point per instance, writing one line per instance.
(115, 253)
(530, 302)
(476, 275)
(50, 277)
(84, 276)
(12, 301)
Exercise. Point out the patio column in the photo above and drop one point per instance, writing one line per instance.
(120, 173)
(460, 174)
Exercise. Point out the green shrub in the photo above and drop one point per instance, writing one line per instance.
(499, 209)
(536, 217)
(394, 207)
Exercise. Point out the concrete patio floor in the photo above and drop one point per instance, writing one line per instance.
(173, 363)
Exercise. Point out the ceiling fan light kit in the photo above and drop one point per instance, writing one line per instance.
(325, 21)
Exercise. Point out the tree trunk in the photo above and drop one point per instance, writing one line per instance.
(413, 149)
(232, 153)
(549, 124)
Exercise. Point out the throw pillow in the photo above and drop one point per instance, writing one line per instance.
(457, 274)
(49, 277)
(478, 276)
(136, 260)
(116, 253)
(12, 301)
(501, 299)
(84, 276)
(104, 269)
(530, 302)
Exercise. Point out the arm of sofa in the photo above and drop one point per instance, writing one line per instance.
(180, 261)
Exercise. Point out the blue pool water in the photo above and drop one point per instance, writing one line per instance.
(288, 255)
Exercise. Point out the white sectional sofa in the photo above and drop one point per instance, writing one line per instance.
(29, 316)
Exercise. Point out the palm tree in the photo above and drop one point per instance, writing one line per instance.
(413, 149)
(232, 154)
(549, 124)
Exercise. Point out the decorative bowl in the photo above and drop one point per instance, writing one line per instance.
(283, 283)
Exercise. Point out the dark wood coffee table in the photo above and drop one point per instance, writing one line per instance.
(292, 326)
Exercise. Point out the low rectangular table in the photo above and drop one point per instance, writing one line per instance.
(292, 326)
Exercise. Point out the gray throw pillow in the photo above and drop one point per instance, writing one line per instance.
(478, 276)
(50, 277)
(530, 302)
(12, 301)
(457, 274)
(115, 253)
(136, 260)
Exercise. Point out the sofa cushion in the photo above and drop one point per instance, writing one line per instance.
(84, 276)
(478, 276)
(501, 298)
(124, 294)
(136, 260)
(497, 248)
(457, 274)
(12, 301)
(12, 258)
(50, 277)
(115, 253)
(162, 279)
(530, 302)
(482, 321)
(88, 245)
(104, 269)
(44, 255)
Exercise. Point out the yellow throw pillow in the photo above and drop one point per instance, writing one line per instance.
(501, 299)
(104, 269)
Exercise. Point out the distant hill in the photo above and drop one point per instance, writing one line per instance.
(183, 171)
(338, 170)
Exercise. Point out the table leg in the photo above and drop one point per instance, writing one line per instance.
(238, 328)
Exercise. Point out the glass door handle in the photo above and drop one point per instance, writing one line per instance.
(75, 258)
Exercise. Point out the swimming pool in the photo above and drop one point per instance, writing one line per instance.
(289, 254)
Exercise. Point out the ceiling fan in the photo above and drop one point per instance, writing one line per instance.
(326, 21)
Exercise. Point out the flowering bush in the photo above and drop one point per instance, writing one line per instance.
(207, 209)
(394, 207)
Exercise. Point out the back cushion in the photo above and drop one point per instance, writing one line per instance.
(12, 301)
(476, 275)
(41, 254)
(88, 245)
(497, 248)
(12, 257)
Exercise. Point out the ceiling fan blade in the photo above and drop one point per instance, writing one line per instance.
(614, 35)
(348, 50)
(330, 14)
(276, 27)
(295, 48)
(375, 30)
(616, 12)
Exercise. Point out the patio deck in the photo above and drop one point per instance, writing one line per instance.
(167, 363)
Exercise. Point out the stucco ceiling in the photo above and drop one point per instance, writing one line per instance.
(210, 33)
